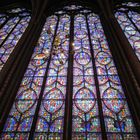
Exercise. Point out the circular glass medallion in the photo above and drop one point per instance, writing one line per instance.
(27, 94)
(59, 59)
(82, 58)
(25, 100)
(39, 59)
(24, 105)
(84, 100)
(53, 100)
(113, 99)
(103, 58)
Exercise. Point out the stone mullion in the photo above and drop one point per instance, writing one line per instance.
(69, 93)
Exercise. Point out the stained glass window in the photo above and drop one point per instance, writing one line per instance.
(12, 25)
(2, 19)
(129, 21)
(72, 44)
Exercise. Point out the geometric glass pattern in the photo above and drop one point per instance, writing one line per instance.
(86, 122)
(117, 119)
(130, 23)
(72, 41)
(13, 24)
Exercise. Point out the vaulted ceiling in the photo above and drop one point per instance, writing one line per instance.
(9, 2)
(50, 2)
(53, 2)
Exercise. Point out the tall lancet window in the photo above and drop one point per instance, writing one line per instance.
(129, 20)
(71, 66)
(13, 23)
